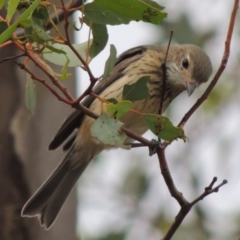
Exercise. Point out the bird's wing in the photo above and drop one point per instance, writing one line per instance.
(75, 119)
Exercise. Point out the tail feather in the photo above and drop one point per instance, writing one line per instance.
(48, 200)
(55, 203)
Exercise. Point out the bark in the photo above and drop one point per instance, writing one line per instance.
(25, 162)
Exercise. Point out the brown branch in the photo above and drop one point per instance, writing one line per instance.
(56, 17)
(185, 205)
(87, 91)
(164, 74)
(168, 178)
(209, 190)
(220, 70)
(42, 81)
(92, 78)
(13, 57)
(186, 208)
(129, 133)
(40, 64)
(44, 67)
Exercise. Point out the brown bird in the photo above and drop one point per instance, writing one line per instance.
(187, 67)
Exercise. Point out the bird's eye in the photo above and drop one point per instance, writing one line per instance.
(185, 63)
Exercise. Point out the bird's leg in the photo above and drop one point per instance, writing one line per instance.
(155, 144)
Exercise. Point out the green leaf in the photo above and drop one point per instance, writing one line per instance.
(108, 131)
(2, 3)
(27, 24)
(64, 74)
(41, 13)
(56, 50)
(10, 30)
(12, 7)
(101, 15)
(119, 109)
(112, 100)
(136, 91)
(30, 95)
(145, 10)
(3, 26)
(163, 128)
(39, 34)
(59, 54)
(110, 63)
(100, 38)
(8, 33)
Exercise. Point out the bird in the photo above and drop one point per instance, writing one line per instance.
(186, 67)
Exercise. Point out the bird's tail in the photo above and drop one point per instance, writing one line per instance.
(48, 200)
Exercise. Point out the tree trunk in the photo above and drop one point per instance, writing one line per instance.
(25, 162)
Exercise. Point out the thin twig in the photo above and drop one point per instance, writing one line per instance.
(68, 42)
(209, 190)
(129, 133)
(220, 70)
(56, 17)
(185, 206)
(40, 64)
(185, 209)
(42, 81)
(164, 75)
(13, 57)
(168, 178)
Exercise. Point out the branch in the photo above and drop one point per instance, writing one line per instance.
(220, 70)
(40, 64)
(209, 190)
(185, 205)
(163, 67)
(129, 133)
(68, 42)
(13, 57)
(34, 77)
(56, 17)
(186, 209)
(168, 178)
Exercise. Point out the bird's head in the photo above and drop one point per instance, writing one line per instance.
(188, 66)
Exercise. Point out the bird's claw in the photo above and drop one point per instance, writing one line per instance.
(155, 145)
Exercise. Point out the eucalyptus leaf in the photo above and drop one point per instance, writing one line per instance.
(3, 26)
(59, 54)
(99, 14)
(144, 10)
(10, 30)
(108, 131)
(137, 91)
(119, 109)
(39, 34)
(11, 9)
(110, 63)
(2, 3)
(100, 38)
(30, 95)
(112, 100)
(162, 127)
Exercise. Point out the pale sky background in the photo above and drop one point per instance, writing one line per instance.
(99, 206)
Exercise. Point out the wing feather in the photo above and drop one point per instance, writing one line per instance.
(75, 119)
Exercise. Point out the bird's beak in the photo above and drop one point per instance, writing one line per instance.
(191, 85)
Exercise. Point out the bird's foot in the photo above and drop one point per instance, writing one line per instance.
(155, 145)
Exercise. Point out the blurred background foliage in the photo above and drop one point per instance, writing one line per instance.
(123, 195)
